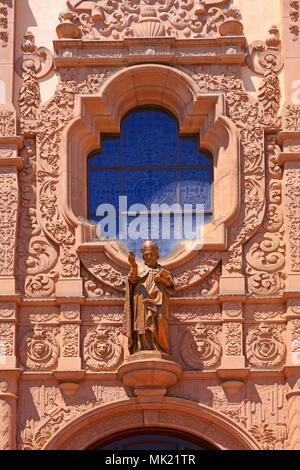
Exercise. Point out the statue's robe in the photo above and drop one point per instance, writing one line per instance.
(150, 319)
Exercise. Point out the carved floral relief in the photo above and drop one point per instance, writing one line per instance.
(9, 199)
(117, 20)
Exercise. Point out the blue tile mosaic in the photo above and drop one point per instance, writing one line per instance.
(150, 164)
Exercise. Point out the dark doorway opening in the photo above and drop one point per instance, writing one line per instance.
(152, 438)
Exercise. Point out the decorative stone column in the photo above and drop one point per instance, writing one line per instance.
(9, 197)
(293, 415)
(8, 409)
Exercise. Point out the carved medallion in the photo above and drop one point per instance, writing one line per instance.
(265, 346)
(39, 348)
(200, 347)
(101, 349)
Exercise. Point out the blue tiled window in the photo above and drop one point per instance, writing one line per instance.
(150, 163)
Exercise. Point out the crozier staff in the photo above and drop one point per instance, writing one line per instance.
(147, 301)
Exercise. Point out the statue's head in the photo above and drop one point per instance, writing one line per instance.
(150, 253)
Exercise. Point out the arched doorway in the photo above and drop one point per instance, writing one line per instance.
(152, 438)
(195, 423)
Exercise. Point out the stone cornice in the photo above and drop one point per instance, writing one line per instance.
(83, 53)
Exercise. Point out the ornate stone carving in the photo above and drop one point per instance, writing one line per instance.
(54, 413)
(249, 117)
(101, 349)
(104, 272)
(294, 19)
(292, 194)
(3, 23)
(7, 310)
(39, 61)
(35, 63)
(233, 338)
(7, 337)
(269, 63)
(291, 118)
(53, 118)
(39, 348)
(70, 342)
(43, 316)
(200, 346)
(265, 346)
(265, 254)
(36, 256)
(183, 19)
(205, 313)
(94, 288)
(8, 220)
(204, 266)
(268, 53)
(266, 260)
(7, 122)
(29, 100)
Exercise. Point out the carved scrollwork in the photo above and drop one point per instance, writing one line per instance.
(101, 349)
(206, 264)
(39, 348)
(265, 254)
(265, 345)
(249, 117)
(269, 63)
(36, 255)
(53, 118)
(103, 271)
(267, 53)
(118, 20)
(200, 346)
(39, 61)
(291, 118)
(7, 122)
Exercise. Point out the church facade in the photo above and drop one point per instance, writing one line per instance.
(199, 100)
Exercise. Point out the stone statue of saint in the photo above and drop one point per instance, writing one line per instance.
(147, 302)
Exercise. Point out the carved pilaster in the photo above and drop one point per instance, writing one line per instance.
(9, 197)
(233, 357)
(8, 409)
(70, 338)
(8, 325)
(293, 415)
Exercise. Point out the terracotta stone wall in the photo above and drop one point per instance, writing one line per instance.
(71, 70)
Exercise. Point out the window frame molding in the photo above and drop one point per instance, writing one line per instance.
(202, 113)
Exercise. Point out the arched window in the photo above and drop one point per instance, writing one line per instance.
(155, 168)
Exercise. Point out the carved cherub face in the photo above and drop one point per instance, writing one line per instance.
(102, 349)
(150, 257)
(38, 349)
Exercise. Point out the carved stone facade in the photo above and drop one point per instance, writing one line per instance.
(234, 325)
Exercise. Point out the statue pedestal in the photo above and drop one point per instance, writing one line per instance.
(150, 373)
